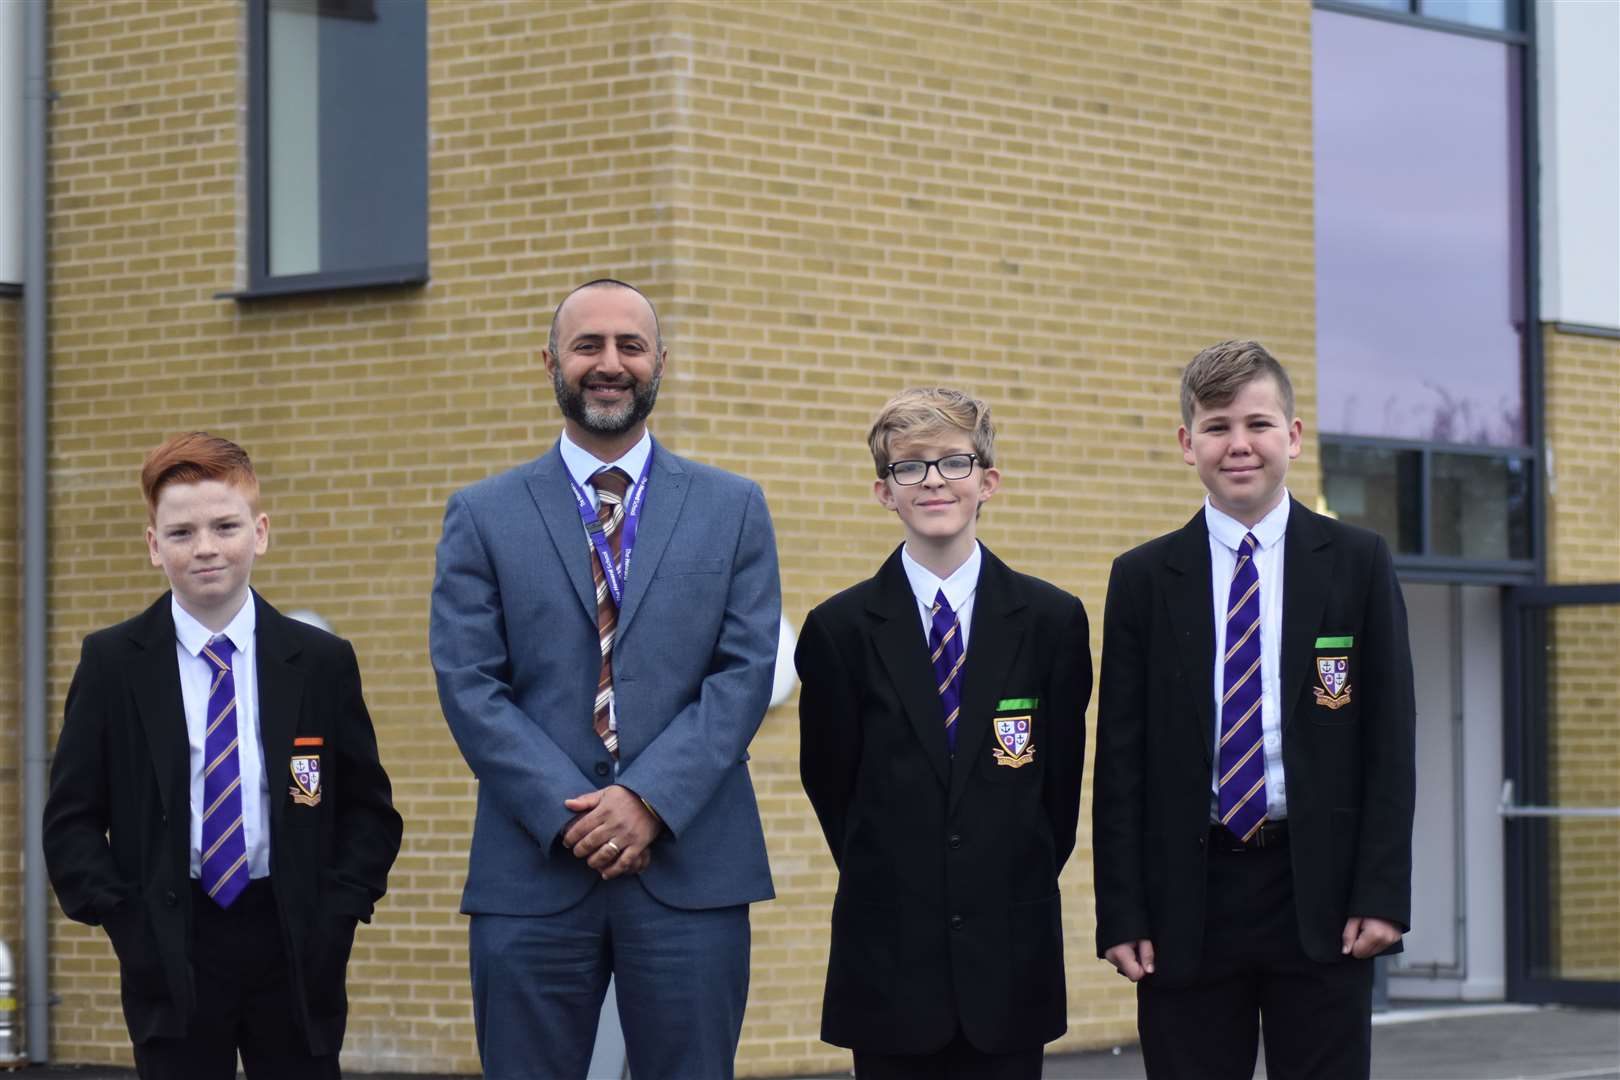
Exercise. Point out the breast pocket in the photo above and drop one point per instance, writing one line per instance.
(306, 788)
(1335, 680)
(1015, 745)
(685, 567)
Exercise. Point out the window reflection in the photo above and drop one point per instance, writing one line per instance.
(1420, 282)
(1377, 489)
(1480, 507)
(1490, 14)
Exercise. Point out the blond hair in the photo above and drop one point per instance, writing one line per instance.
(923, 413)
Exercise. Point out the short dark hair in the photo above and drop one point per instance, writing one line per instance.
(658, 330)
(1218, 373)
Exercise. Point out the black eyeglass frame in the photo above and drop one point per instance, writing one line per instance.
(936, 464)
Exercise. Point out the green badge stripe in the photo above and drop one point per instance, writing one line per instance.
(1017, 703)
(1335, 642)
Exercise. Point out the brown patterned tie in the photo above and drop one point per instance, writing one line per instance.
(610, 485)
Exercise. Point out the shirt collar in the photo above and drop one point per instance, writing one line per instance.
(582, 464)
(1267, 531)
(193, 635)
(957, 588)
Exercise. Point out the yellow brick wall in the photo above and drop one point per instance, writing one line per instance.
(1582, 388)
(1054, 204)
(878, 195)
(1582, 398)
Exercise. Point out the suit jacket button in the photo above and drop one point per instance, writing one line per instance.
(954, 842)
(602, 768)
(170, 899)
(956, 922)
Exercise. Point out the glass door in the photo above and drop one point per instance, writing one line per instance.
(1561, 793)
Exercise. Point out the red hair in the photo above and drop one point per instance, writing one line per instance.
(193, 457)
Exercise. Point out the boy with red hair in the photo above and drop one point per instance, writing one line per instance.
(207, 742)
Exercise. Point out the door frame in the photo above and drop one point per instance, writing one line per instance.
(1525, 809)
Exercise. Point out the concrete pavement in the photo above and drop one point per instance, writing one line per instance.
(1472, 1042)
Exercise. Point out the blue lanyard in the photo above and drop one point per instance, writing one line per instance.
(616, 575)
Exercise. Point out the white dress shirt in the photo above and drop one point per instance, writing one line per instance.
(1225, 537)
(582, 464)
(959, 588)
(196, 677)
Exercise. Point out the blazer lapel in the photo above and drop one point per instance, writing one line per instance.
(661, 509)
(281, 690)
(1307, 577)
(901, 646)
(155, 686)
(549, 486)
(993, 641)
(1190, 597)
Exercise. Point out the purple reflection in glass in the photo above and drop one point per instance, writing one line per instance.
(1419, 233)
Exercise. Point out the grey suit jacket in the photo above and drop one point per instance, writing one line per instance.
(514, 645)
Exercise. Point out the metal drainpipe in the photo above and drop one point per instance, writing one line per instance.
(36, 927)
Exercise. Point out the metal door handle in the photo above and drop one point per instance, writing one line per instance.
(1509, 809)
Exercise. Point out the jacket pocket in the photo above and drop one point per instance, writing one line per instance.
(139, 960)
(1014, 748)
(1335, 681)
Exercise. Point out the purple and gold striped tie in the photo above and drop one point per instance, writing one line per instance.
(610, 485)
(224, 848)
(945, 649)
(1243, 766)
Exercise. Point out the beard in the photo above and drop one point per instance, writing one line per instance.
(601, 421)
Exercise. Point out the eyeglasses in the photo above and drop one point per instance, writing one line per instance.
(951, 467)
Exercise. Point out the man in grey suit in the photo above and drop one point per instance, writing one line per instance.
(604, 633)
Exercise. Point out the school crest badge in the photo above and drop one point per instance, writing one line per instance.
(1014, 748)
(306, 774)
(1333, 672)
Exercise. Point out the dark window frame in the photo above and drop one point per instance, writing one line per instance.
(1431, 22)
(1533, 570)
(1452, 568)
(260, 282)
(1525, 759)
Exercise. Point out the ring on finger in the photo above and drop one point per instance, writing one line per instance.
(616, 849)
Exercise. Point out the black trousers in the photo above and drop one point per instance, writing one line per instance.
(1254, 977)
(245, 1001)
(958, 1060)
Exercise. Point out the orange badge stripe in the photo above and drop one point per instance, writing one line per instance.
(313, 740)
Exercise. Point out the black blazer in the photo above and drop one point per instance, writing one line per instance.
(947, 910)
(117, 820)
(1350, 769)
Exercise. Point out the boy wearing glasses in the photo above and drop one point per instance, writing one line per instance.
(942, 735)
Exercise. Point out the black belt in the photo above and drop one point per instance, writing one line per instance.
(259, 895)
(1271, 834)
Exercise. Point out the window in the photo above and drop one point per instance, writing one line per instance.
(1423, 323)
(337, 144)
(1485, 14)
(1420, 276)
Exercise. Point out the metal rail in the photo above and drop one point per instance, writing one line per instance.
(1509, 809)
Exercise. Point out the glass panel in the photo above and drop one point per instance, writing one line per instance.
(1583, 769)
(345, 135)
(1377, 489)
(1480, 507)
(294, 181)
(1490, 14)
(1383, 5)
(1420, 256)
